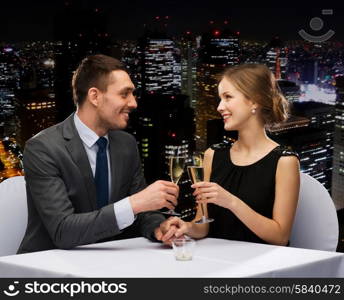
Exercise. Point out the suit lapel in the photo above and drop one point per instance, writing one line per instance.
(77, 152)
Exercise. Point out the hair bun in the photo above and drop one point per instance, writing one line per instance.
(280, 108)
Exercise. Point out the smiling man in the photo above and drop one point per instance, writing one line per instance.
(83, 176)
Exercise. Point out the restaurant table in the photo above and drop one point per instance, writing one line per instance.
(139, 257)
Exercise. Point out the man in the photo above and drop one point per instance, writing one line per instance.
(83, 176)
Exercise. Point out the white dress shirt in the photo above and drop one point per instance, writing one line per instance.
(123, 210)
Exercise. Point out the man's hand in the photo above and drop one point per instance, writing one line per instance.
(158, 195)
(173, 227)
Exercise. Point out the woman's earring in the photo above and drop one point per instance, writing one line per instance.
(253, 111)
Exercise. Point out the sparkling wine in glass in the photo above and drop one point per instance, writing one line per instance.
(176, 165)
(196, 174)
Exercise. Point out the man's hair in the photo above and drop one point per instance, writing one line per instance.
(93, 71)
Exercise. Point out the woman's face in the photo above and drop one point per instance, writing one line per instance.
(234, 107)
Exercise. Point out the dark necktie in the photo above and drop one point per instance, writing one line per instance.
(102, 175)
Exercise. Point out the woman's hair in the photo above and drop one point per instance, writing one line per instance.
(258, 84)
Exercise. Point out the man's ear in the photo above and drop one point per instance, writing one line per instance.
(93, 96)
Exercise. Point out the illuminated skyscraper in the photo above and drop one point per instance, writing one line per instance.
(130, 55)
(218, 49)
(161, 68)
(338, 157)
(9, 84)
(38, 111)
(313, 139)
(277, 58)
(316, 143)
(189, 56)
(312, 145)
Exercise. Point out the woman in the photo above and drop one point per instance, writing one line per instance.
(251, 186)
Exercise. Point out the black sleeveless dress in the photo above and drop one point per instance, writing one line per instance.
(254, 184)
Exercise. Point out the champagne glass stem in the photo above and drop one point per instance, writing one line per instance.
(202, 208)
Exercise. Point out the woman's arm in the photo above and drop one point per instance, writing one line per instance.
(276, 230)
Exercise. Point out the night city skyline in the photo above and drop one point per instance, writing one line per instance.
(176, 66)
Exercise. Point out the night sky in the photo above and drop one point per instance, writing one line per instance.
(34, 20)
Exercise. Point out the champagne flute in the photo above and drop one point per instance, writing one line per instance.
(176, 165)
(196, 174)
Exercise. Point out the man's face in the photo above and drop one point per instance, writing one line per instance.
(117, 102)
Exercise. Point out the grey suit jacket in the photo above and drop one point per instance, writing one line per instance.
(61, 192)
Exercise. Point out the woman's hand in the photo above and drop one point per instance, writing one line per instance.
(210, 192)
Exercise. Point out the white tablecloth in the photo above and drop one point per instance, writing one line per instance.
(141, 258)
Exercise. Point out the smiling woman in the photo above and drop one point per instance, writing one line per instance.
(254, 90)
(254, 182)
